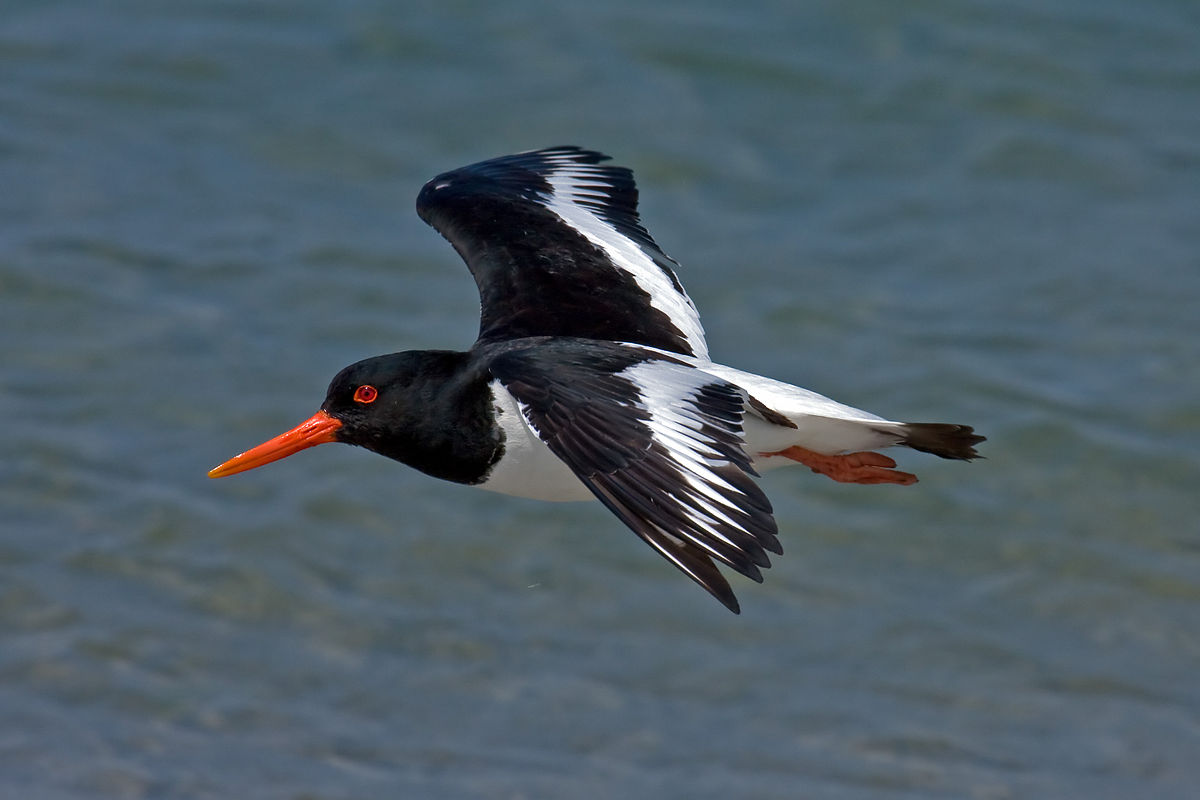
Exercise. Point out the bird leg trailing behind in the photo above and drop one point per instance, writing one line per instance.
(864, 467)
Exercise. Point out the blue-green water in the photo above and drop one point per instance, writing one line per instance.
(983, 212)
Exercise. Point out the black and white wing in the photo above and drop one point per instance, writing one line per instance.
(659, 443)
(556, 246)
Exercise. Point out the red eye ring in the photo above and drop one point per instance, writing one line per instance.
(365, 394)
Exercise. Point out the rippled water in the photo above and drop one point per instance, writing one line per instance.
(979, 212)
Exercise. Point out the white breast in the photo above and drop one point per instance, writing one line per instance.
(528, 468)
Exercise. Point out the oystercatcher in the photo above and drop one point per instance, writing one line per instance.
(591, 378)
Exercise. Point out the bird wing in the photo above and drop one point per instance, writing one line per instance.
(658, 442)
(556, 247)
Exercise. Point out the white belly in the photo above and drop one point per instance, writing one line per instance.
(528, 468)
(822, 425)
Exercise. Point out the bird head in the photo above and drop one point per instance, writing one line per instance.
(371, 404)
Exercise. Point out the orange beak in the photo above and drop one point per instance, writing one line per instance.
(320, 428)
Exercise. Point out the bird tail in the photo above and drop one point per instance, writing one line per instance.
(942, 439)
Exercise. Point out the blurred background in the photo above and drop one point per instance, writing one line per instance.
(946, 210)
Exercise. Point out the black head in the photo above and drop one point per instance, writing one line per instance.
(381, 403)
(379, 400)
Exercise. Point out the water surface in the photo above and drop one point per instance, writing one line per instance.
(977, 212)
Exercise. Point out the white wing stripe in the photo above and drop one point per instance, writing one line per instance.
(704, 491)
(694, 446)
(668, 395)
(716, 512)
(567, 184)
(709, 491)
(707, 527)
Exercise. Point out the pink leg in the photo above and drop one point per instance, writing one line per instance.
(864, 467)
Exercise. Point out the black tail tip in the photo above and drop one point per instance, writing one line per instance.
(943, 439)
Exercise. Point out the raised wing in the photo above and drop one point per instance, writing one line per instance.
(556, 246)
(659, 443)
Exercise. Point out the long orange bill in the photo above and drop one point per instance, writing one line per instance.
(320, 428)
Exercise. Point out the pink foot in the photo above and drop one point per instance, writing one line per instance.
(864, 467)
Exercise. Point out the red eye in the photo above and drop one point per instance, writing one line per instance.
(365, 394)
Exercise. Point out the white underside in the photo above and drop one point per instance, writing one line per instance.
(529, 469)
(822, 425)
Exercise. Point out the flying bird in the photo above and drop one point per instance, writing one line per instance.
(590, 379)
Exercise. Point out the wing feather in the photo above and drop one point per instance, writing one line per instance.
(658, 442)
(556, 247)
